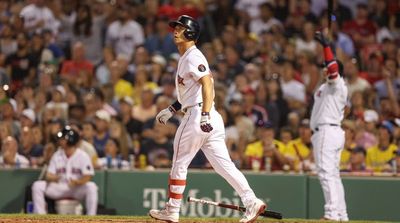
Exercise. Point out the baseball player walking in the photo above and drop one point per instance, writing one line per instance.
(201, 127)
(328, 137)
(68, 175)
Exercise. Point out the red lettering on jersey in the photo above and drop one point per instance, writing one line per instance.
(180, 81)
(319, 93)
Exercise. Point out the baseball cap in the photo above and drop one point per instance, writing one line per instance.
(305, 123)
(248, 91)
(128, 100)
(60, 89)
(387, 125)
(265, 125)
(103, 115)
(371, 116)
(359, 149)
(29, 113)
(158, 59)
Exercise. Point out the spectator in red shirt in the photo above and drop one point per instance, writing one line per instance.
(361, 29)
(78, 69)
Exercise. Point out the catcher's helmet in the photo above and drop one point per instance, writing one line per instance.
(70, 135)
(192, 31)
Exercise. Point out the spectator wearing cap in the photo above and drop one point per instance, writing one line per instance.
(266, 148)
(102, 123)
(380, 154)
(161, 41)
(265, 21)
(125, 34)
(366, 136)
(255, 112)
(27, 118)
(10, 156)
(37, 17)
(356, 163)
(157, 67)
(133, 126)
(57, 102)
(300, 149)
(28, 147)
(77, 70)
(349, 128)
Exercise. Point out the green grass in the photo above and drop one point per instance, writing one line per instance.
(116, 218)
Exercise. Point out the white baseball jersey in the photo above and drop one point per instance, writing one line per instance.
(124, 38)
(189, 138)
(33, 14)
(329, 103)
(72, 168)
(191, 67)
(328, 141)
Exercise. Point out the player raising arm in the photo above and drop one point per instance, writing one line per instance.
(328, 136)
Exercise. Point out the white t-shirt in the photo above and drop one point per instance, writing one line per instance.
(22, 161)
(251, 7)
(33, 14)
(191, 67)
(294, 90)
(72, 168)
(102, 162)
(124, 38)
(329, 103)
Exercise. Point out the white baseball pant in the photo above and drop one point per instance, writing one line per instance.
(328, 143)
(189, 138)
(52, 190)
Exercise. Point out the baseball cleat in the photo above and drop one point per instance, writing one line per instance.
(164, 215)
(253, 211)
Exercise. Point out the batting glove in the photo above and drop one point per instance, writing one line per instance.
(318, 36)
(164, 115)
(205, 124)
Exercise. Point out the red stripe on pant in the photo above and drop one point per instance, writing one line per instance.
(175, 182)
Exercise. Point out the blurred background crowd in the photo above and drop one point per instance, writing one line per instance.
(106, 67)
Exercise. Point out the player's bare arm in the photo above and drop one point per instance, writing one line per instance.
(52, 177)
(207, 92)
(83, 180)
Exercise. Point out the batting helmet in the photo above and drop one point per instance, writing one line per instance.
(192, 31)
(70, 135)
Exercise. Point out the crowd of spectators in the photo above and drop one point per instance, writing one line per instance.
(106, 67)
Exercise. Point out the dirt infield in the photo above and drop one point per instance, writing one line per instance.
(24, 218)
